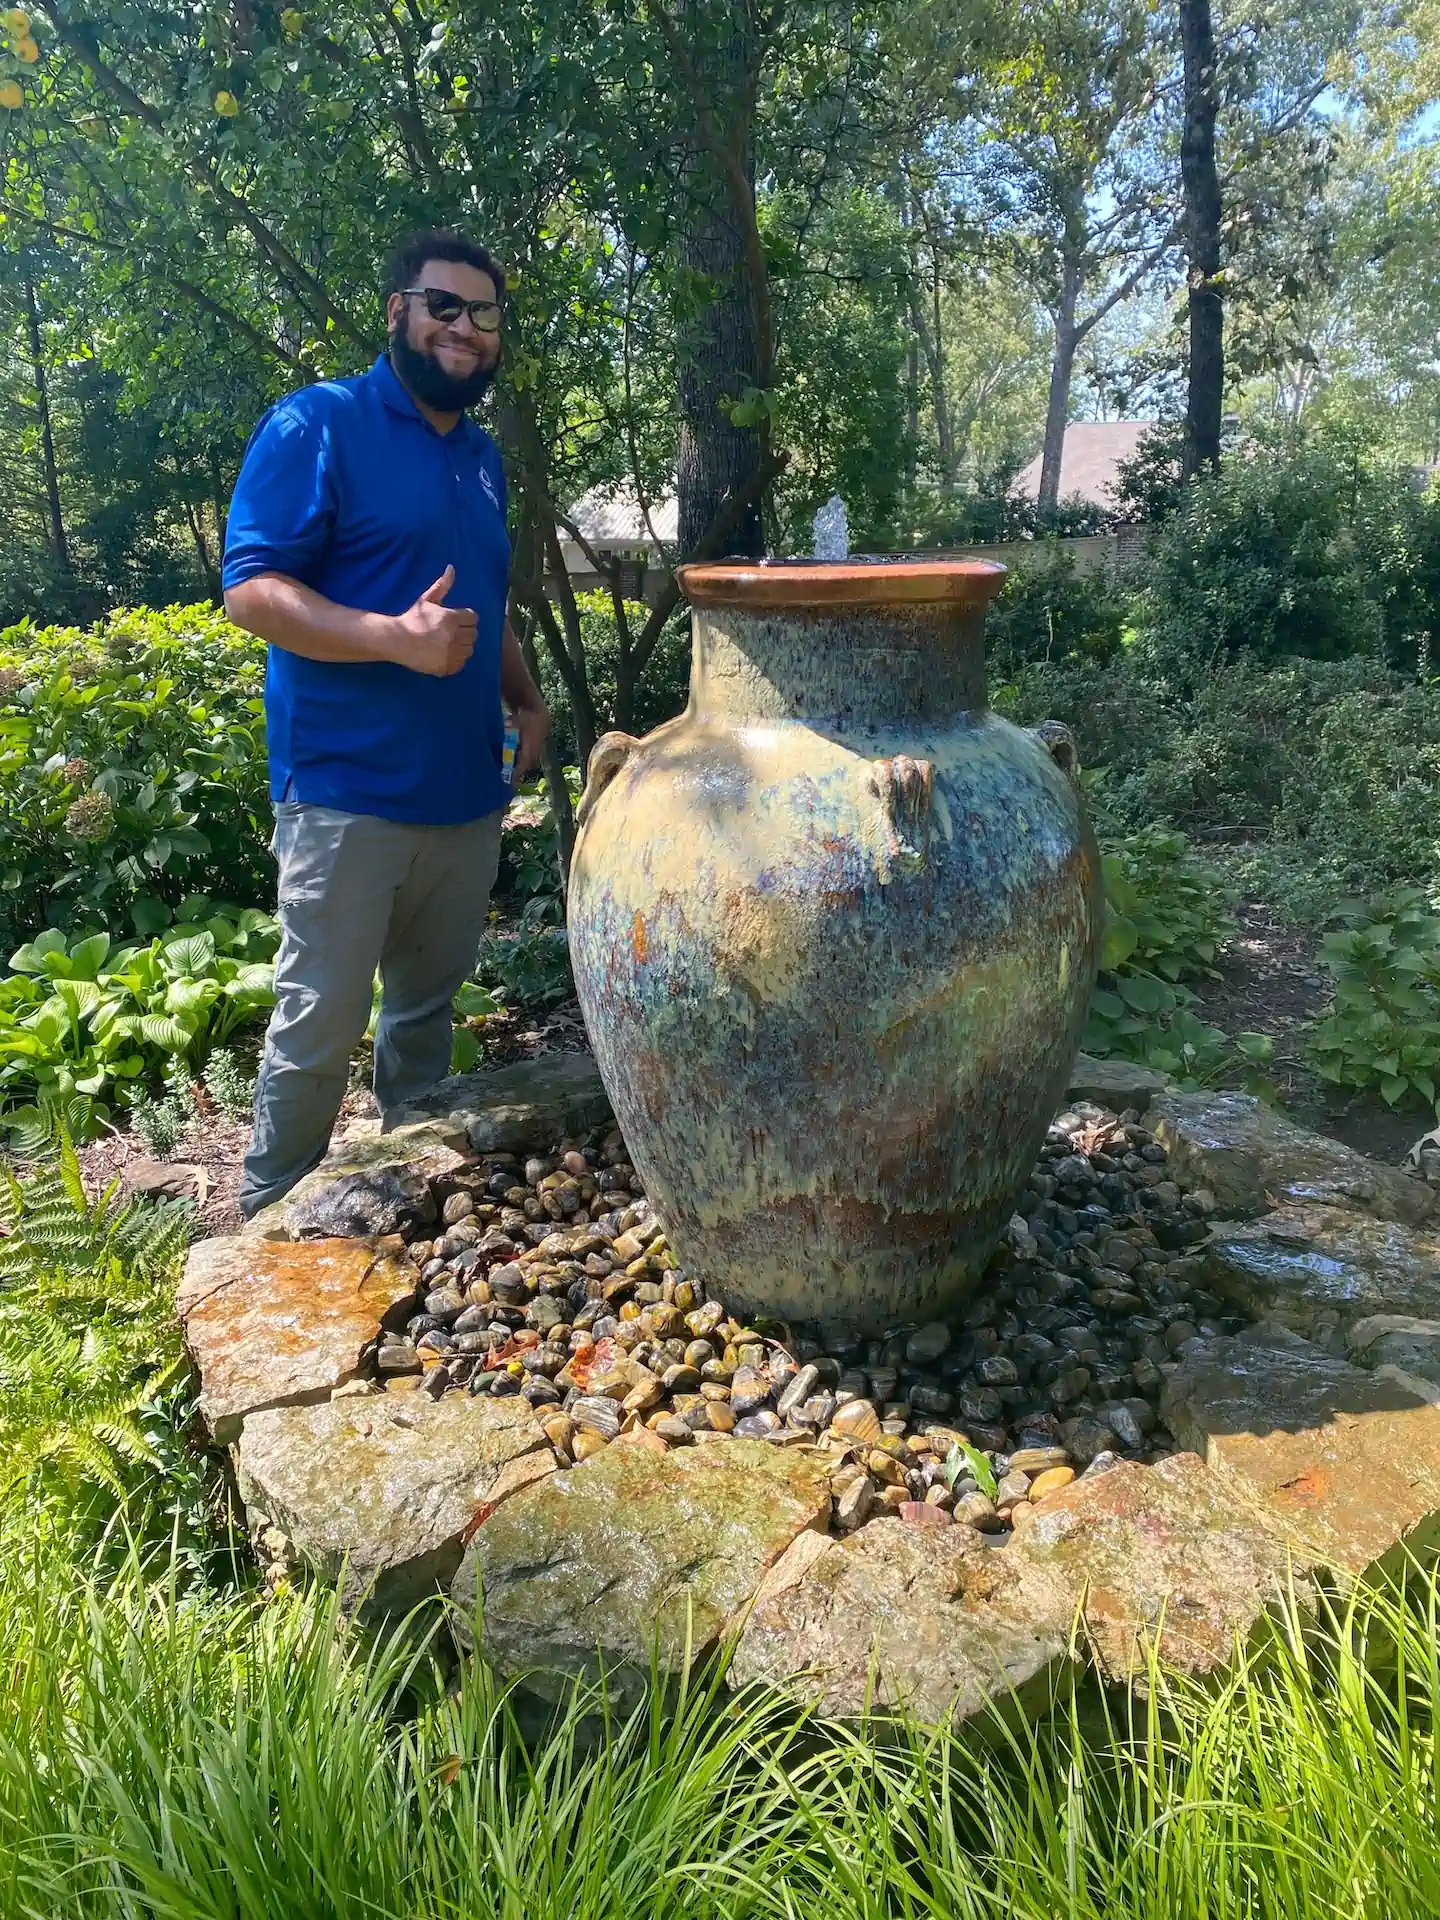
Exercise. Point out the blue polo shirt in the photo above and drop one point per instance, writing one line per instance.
(348, 488)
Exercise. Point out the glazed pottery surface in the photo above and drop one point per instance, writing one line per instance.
(834, 932)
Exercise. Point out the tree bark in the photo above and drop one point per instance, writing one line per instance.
(1200, 182)
(1057, 412)
(58, 543)
(720, 349)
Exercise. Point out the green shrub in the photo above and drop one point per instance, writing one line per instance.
(1051, 612)
(1360, 801)
(1166, 919)
(527, 965)
(132, 770)
(1302, 550)
(82, 1027)
(662, 692)
(1382, 1033)
(1219, 760)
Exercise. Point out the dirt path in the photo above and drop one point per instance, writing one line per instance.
(1271, 983)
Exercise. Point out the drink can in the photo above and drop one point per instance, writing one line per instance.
(507, 755)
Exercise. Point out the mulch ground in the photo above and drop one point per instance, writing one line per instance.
(1271, 983)
(206, 1163)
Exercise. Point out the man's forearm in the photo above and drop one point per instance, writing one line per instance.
(286, 614)
(517, 689)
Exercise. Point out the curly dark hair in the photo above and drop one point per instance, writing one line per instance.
(438, 243)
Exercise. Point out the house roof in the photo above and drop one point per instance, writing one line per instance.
(611, 520)
(1094, 450)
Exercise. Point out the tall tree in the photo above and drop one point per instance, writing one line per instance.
(1200, 184)
(1068, 174)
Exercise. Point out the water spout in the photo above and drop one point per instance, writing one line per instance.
(832, 531)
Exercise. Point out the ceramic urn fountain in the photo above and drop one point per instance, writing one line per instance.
(834, 930)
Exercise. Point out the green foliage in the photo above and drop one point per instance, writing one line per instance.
(175, 1752)
(1051, 612)
(1382, 1033)
(78, 1022)
(1166, 919)
(1302, 549)
(1359, 805)
(162, 1121)
(527, 964)
(87, 1336)
(132, 770)
(231, 1084)
(661, 694)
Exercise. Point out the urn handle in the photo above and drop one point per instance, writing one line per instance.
(607, 757)
(906, 789)
(1059, 743)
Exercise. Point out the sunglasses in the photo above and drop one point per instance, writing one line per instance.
(445, 306)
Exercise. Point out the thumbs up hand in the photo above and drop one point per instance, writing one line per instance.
(431, 637)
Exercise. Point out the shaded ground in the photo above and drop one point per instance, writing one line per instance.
(1271, 983)
(206, 1163)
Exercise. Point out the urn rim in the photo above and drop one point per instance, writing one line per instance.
(840, 584)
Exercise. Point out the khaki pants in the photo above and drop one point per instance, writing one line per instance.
(357, 894)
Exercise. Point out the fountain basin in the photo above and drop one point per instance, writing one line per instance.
(834, 931)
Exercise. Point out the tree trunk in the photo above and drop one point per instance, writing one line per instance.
(721, 349)
(1057, 413)
(1200, 181)
(58, 543)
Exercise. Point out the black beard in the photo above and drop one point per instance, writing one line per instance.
(424, 379)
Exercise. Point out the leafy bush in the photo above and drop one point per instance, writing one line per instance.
(1051, 611)
(1359, 803)
(1298, 550)
(81, 1026)
(527, 965)
(1166, 918)
(132, 770)
(661, 694)
(1382, 1033)
(1227, 755)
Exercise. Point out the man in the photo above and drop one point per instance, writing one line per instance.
(366, 545)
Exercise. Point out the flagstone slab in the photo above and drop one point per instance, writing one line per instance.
(1171, 1559)
(634, 1553)
(1117, 1084)
(273, 1323)
(376, 1494)
(1347, 1461)
(932, 1623)
(1253, 1159)
(1318, 1270)
(522, 1108)
(369, 1183)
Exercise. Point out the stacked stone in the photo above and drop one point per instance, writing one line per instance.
(551, 1279)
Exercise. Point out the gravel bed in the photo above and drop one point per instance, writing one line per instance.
(551, 1278)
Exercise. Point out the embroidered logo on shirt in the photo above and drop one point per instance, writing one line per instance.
(489, 485)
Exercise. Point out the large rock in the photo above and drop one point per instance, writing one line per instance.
(925, 1622)
(635, 1552)
(1117, 1084)
(376, 1494)
(368, 1183)
(523, 1108)
(279, 1323)
(1317, 1270)
(1346, 1461)
(1254, 1160)
(1400, 1345)
(1170, 1556)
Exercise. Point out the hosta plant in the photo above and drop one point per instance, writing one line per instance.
(1382, 1033)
